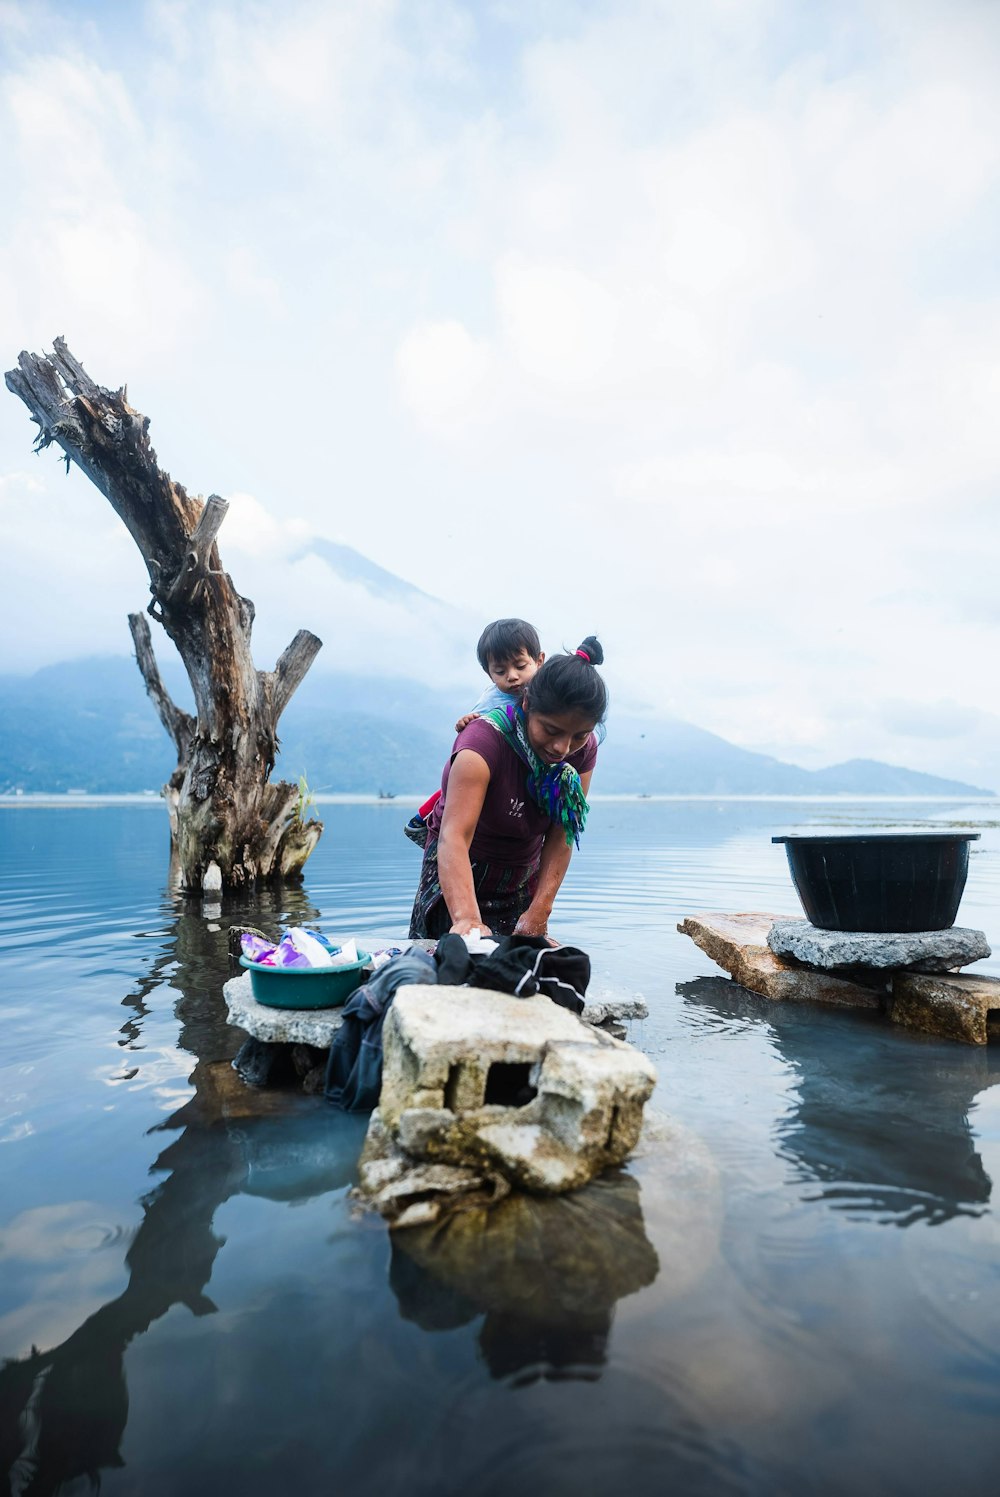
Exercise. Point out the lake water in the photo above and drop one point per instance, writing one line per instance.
(794, 1288)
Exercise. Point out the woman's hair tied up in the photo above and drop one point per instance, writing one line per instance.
(569, 683)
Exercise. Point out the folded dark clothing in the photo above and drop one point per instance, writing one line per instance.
(522, 965)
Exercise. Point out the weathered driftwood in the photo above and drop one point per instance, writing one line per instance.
(223, 808)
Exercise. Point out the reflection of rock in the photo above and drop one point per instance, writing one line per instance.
(882, 1126)
(298, 1160)
(515, 1086)
(546, 1273)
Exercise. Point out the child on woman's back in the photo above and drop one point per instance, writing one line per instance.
(510, 653)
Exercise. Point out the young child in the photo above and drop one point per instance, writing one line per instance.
(510, 653)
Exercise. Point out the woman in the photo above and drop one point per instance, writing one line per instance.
(513, 803)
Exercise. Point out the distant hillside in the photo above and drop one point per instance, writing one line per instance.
(88, 725)
(351, 566)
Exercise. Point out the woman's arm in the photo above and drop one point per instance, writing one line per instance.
(556, 853)
(468, 782)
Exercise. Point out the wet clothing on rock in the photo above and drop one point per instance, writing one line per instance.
(354, 1066)
(522, 965)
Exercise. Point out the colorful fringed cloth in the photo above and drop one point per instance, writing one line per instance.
(555, 788)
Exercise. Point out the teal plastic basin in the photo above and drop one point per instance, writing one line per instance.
(306, 987)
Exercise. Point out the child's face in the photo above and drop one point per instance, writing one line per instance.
(513, 675)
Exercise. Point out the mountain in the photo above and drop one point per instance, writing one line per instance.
(677, 758)
(351, 566)
(83, 725)
(869, 777)
(88, 725)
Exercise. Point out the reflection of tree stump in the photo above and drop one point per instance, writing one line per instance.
(226, 818)
(63, 1410)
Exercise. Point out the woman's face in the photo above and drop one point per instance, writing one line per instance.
(556, 735)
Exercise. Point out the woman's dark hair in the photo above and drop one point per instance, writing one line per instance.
(501, 641)
(569, 683)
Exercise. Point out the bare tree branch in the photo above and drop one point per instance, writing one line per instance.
(178, 723)
(197, 562)
(286, 678)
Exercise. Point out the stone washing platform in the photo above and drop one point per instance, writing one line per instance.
(317, 1026)
(286, 1041)
(843, 950)
(738, 944)
(944, 1003)
(279, 1026)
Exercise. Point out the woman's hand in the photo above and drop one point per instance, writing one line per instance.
(463, 927)
(534, 925)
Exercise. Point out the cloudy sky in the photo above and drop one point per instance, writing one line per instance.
(677, 322)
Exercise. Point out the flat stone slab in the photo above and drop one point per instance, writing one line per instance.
(738, 944)
(281, 1026)
(956, 1007)
(317, 1026)
(609, 1007)
(840, 950)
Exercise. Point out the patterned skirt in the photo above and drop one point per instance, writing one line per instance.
(503, 895)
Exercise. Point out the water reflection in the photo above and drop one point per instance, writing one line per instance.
(881, 1117)
(63, 1411)
(545, 1274)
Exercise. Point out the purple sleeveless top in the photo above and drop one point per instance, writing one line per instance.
(511, 827)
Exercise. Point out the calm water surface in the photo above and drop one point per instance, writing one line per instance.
(794, 1288)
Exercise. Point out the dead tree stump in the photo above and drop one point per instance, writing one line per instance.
(224, 811)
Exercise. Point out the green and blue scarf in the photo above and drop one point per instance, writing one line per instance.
(555, 788)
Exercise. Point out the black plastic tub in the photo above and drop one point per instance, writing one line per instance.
(885, 881)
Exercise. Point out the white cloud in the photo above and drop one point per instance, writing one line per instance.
(244, 275)
(87, 248)
(441, 370)
(558, 324)
(249, 529)
(698, 299)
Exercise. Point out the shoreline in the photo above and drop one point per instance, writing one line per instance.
(38, 798)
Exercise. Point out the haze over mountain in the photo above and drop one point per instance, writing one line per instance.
(88, 725)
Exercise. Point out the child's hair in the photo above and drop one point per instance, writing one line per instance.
(569, 683)
(501, 641)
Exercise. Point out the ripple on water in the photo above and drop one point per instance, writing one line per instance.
(958, 1284)
(558, 1435)
(45, 1234)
